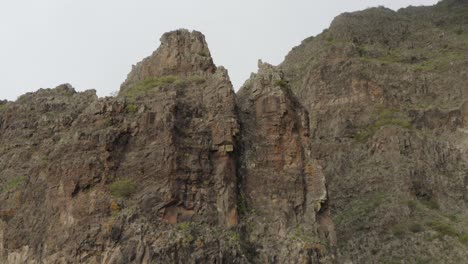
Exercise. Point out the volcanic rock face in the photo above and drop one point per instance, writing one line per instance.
(171, 138)
(387, 95)
(181, 53)
(276, 149)
(150, 176)
(282, 187)
(353, 150)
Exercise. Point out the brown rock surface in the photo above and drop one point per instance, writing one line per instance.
(182, 53)
(149, 176)
(362, 128)
(386, 91)
(282, 187)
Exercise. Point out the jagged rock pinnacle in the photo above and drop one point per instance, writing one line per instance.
(181, 53)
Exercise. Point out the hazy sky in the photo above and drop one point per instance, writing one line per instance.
(92, 44)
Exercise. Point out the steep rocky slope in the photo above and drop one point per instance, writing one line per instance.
(353, 150)
(387, 92)
(282, 187)
(152, 175)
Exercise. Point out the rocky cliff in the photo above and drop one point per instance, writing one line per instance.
(154, 174)
(353, 150)
(387, 92)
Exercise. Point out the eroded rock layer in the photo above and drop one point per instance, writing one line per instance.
(353, 150)
(387, 95)
(150, 176)
(282, 187)
(126, 179)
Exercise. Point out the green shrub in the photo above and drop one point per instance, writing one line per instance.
(143, 87)
(454, 218)
(416, 228)
(131, 108)
(463, 238)
(234, 237)
(188, 239)
(3, 107)
(412, 205)
(197, 79)
(185, 226)
(430, 203)
(303, 235)
(442, 61)
(443, 228)
(13, 184)
(360, 209)
(123, 188)
(180, 83)
(383, 117)
(399, 230)
(281, 83)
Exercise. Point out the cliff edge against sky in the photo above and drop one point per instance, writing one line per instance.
(353, 150)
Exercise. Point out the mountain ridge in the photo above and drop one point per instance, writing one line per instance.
(353, 150)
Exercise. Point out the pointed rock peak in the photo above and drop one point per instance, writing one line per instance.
(269, 72)
(268, 79)
(182, 53)
(186, 42)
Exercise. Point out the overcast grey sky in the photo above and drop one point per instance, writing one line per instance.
(93, 43)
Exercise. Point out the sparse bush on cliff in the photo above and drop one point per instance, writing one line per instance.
(443, 228)
(430, 203)
(282, 83)
(463, 238)
(123, 188)
(143, 87)
(197, 79)
(416, 227)
(383, 117)
(131, 108)
(12, 184)
(3, 107)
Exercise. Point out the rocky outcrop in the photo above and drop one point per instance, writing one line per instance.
(353, 150)
(386, 92)
(181, 53)
(152, 175)
(283, 188)
(147, 176)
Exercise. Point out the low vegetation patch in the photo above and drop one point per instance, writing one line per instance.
(143, 87)
(123, 188)
(399, 230)
(305, 236)
(12, 184)
(407, 225)
(131, 108)
(416, 227)
(197, 79)
(426, 215)
(3, 107)
(430, 203)
(443, 228)
(184, 226)
(281, 83)
(419, 57)
(383, 117)
(359, 210)
(440, 62)
(463, 238)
